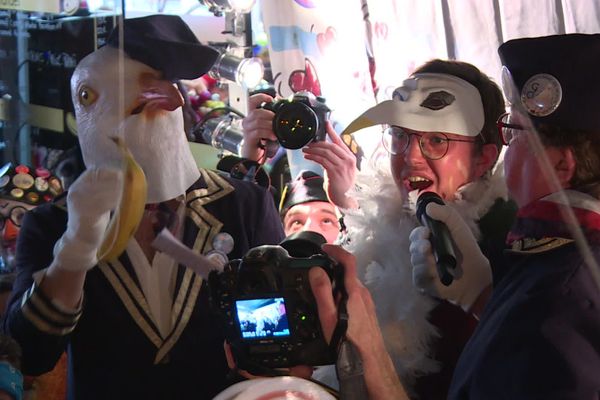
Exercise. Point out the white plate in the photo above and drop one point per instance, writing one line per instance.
(233, 390)
(283, 388)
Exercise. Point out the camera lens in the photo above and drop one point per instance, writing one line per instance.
(295, 125)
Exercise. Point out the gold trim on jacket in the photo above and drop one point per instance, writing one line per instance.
(186, 293)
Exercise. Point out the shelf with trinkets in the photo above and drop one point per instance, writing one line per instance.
(21, 189)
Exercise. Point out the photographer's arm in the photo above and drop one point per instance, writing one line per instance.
(257, 126)
(363, 329)
(340, 167)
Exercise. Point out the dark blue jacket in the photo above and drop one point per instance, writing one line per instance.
(539, 336)
(115, 350)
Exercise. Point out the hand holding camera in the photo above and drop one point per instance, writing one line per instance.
(339, 164)
(291, 123)
(363, 331)
(280, 308)
(299, 120)
(257, 127)
(267, 308)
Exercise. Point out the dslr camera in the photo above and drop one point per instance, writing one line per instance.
(266, 306)
(299, 119)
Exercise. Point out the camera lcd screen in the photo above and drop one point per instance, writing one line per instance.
(262, 318)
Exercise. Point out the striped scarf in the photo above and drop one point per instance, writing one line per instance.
(558, 215)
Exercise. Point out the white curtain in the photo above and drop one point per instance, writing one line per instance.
(338, 40)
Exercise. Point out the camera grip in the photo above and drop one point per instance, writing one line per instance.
(267, 106)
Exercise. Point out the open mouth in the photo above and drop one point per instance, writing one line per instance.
(418, 183)
(150, 101)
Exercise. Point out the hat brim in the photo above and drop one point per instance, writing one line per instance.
(177, 60)
(165, 43)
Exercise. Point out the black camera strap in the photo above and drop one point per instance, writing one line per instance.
(339, 290)
(348, 366)
(339, 333)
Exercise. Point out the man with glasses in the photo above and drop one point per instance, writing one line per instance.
(442, 137)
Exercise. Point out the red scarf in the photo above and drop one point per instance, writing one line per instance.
(556, 216)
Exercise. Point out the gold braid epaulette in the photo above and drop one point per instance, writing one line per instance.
(534, 246)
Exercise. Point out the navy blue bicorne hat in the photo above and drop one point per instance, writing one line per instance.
(555, 79)
(307, 187)
(165, 43)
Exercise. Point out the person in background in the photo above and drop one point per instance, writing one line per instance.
(21, 189)
(305, 206)
(441, 137)
(11, 380)
(6, 284)
(138, 327)
(538, 337)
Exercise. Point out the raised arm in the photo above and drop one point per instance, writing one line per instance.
(340, 167)
(363, 329)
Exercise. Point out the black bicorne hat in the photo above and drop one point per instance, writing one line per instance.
(555, 79)
(165, 43)
(307, 187)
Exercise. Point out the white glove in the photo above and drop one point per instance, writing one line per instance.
(472, 273)
(89, 201)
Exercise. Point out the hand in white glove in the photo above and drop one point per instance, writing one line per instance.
(472, 273)
(90, 200)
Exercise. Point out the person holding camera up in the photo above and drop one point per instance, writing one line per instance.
(307, 203)
(137, 326)
(333, 154)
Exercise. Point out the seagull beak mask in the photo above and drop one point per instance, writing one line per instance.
(428, 102)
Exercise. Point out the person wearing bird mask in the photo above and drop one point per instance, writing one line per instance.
(441, 137)
(138, 325)
(538, 336)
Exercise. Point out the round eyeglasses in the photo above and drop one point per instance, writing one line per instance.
(433, 145)
(506, 129)
(15, 214)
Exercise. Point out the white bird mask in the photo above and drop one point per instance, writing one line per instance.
(115, 95)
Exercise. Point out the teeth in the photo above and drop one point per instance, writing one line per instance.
(417, 179)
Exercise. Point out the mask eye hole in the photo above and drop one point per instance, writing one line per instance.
(87, 95)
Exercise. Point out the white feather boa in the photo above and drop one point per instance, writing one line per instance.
(378, 236)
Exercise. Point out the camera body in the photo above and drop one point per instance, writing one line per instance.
(299, 120)
(267, 308)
